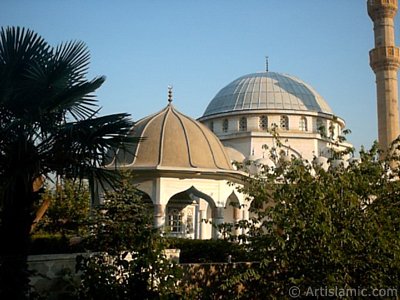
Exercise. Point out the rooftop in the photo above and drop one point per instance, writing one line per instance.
(267, 91)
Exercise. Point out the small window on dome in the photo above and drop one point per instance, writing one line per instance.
(303, 124)
(211, 126)
(284, 123)
(243, 124)
(263, 123)
(225, 125)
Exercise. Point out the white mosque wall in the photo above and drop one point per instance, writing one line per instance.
(243, 145)
(308, 135)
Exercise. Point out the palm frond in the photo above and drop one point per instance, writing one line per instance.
(61, 85)
(72, 58)
(19, 46)
(78, 100)
(37, 80)
(78, 146)
(20, 51)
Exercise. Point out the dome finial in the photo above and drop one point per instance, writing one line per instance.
(170, 87)
(266, 63)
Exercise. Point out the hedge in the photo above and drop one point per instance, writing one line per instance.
(53, 244)
(207, 251)
(192, 251)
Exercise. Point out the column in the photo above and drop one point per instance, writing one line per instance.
(218, 219)
(236, 219)
(203, 228)
(245, 217)
(159, 215)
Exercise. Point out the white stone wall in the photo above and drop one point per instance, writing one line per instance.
(306, 144)
(54, 274)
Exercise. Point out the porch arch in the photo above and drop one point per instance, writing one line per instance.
(190, 214)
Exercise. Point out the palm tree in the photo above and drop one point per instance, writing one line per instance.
(48, 124)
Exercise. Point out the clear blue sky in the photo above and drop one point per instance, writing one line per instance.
(200, 46)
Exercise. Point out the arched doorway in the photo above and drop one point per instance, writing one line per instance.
(189, 214)
(233, 212)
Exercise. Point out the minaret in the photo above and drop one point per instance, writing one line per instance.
(385, 61)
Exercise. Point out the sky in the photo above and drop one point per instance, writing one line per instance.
(198, 47)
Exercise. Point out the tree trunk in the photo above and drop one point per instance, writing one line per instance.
(40, 213)
(15, 238)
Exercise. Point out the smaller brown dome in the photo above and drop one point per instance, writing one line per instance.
(173, 141)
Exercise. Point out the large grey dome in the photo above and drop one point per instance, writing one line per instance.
(267, 91)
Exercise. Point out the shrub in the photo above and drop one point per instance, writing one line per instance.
(53, 244)
(129, 263)
(68, 209)
(207, 251)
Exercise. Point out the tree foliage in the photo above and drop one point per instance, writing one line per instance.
(129, 260)
(68, 208)
(312, 228)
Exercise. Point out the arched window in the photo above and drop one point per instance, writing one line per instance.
(175, 220)
(243, 124)
(263, 123)
(321, 129)
(211, 126)
(225, 125)
(284, 123)
(331, 129)
(303, 124)
(320, 125)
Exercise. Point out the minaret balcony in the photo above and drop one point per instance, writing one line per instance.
(385, 58)
(382, 8)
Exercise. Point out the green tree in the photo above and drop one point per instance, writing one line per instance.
(128, 262)
(48, 123)
(313, 228)
(68, 208)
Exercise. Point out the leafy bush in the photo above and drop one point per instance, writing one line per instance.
(207, 251)
(334, 229)
(68, 210)
(53, 244)
(129, 262)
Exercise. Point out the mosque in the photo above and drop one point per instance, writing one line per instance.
(187, 167)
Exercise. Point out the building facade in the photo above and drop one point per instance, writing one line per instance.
(187, 168)
(184, 170)
(254, 111)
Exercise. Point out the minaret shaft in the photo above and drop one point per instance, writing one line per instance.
(388, 117)
(385, 61)
(384, 32)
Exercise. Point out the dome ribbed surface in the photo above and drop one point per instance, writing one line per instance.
(267, 91)
(173, 140)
